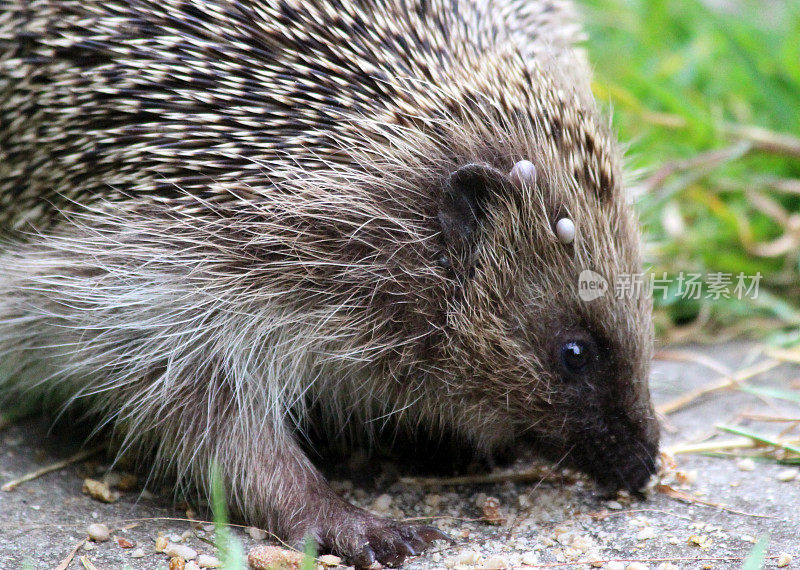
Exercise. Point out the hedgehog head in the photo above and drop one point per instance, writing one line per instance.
(547, 332)
(549, 323)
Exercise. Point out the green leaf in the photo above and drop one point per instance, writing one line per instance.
(770, 392)
(755, 560)
(231, 552)
(309, 555)
(765, 439)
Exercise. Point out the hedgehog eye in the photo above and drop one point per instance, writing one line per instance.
(565, 230)
(575, 356)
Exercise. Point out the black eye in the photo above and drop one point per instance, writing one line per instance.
(575, 356)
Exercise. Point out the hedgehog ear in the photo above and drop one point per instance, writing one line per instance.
(465, 201)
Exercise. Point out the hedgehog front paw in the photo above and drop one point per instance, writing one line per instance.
(390, 542)
(363, 538)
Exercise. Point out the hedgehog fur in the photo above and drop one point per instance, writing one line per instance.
(220, 213)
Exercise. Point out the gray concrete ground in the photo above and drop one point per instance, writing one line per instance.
(557, 524)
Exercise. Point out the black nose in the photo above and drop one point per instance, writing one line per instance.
(637, 471)
(620, 470)
(619, 453)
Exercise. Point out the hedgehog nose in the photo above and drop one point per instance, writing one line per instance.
(623, 450)
(631, 472)
(638, 476)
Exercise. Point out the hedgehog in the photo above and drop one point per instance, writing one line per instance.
(230, 223)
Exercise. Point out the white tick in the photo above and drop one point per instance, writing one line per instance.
(565, 230)
(523, 172)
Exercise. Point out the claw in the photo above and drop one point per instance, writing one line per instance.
(389, 543)
(365, 558)
(429, 534)
(406, 548)
(413, 538)
(392, 559)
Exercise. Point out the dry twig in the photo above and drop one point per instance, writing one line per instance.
(673, 355)
(765, 140)
(700, 165)
(723, 383)
(687, 498)
(68, 559)
(647, 561)
(722, 445)
(536, 473)
(78, 457)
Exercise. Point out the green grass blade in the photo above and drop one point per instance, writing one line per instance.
(309, 555)
(763, 439)
(770, 392)
(230, 549)
(755, 560)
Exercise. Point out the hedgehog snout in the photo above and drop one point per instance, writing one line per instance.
(620, 450)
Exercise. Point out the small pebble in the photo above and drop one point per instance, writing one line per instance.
(702, 540)
(646, 533)
(491, 511)
(180, 551)
(433, 499)
(667, 566)
(784, 560)
(208, 561)
(595, 561)
(383, 503)
(495, 563)
(636, 566)
(161, 543)
(746, 464)
(330, 560)
(98, 532)
(581, 543)
(468, 558)
(614, 505)
(177, 563)
(99, 491)
(146, 495)
(256, 533)
(787, 475)
(138, 553)
(192, 565)
(273, 558)
(530, 559)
